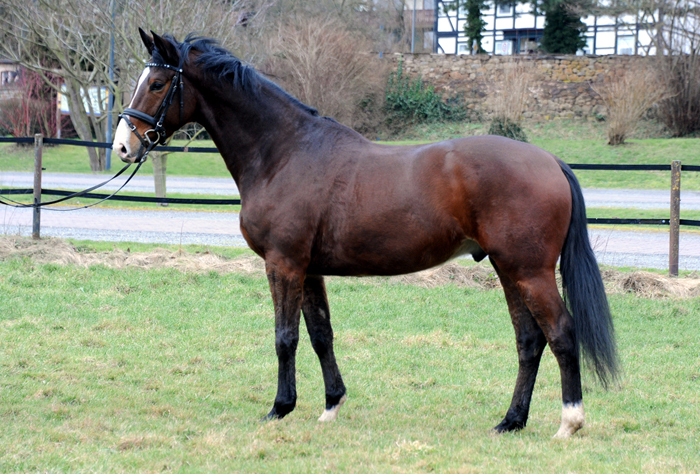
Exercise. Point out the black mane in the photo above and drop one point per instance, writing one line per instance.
(220, 63)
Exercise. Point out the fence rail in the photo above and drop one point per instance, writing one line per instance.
(59, 192)
(673, 222)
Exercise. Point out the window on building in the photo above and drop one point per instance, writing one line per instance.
(505, 10)
(625, 45)
(504, 47)
(528, 46)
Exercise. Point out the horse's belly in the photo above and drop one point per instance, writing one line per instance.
(392, 259)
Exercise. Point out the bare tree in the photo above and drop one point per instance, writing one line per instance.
(71, 38)
(679, 67)
(674, 29)
(378, 22)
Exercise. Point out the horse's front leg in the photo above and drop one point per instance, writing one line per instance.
(318, 322)
(286, 282)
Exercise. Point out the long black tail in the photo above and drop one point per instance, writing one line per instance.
(584, 291)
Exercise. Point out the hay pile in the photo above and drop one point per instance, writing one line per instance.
(651, 285)
(482, 276)
(60, 252)
(475, 276)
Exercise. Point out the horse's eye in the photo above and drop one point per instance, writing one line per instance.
(156, 86)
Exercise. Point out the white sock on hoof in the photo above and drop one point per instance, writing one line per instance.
(330, 414)
(572, 419)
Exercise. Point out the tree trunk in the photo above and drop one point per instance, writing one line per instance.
(81, 124)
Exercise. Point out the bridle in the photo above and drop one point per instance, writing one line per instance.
(147, 143)
(156, 135)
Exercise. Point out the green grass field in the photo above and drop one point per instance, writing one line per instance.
(161, 370)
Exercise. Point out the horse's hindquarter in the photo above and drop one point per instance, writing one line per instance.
(523, 200)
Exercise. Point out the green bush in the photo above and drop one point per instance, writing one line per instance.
(411, 102)
(507, 128)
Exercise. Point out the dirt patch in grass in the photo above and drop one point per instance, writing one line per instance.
(57, 251)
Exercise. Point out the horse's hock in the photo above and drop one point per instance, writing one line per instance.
(561, 85)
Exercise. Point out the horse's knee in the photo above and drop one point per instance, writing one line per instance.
(286, 343)
(562, 340)
(530, 346)
(321, 341)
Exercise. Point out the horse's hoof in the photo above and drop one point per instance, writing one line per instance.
(274, 414)
(572, 420)
(509, 425)
(330, 414)
(270, 416)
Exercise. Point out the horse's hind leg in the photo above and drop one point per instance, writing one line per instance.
(540, 294)
(318, 323)
(530, 342)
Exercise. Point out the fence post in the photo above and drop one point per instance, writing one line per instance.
(38, 149)
(674, 233)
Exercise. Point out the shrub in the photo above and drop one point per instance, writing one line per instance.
(411, 102)
(627, 98)
(507, 128)
(508, 101)
(327, 67)
(33, 110)
(680, 74)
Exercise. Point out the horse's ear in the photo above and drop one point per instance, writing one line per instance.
(147, 41)
(167, 50)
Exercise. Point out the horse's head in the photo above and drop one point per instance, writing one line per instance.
(159, 105)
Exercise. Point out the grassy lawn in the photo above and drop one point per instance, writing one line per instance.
(144, 371)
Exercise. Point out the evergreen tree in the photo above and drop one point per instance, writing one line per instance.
(563, 29)
(475, 24)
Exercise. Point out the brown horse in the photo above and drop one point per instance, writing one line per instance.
(319, 199)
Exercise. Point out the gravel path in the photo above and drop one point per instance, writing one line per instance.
(160, 226)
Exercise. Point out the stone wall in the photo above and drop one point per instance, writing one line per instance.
(564, 86)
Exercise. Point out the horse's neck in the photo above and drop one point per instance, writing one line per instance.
(252, 137)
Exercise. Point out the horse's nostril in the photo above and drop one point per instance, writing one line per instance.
(122, 150)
